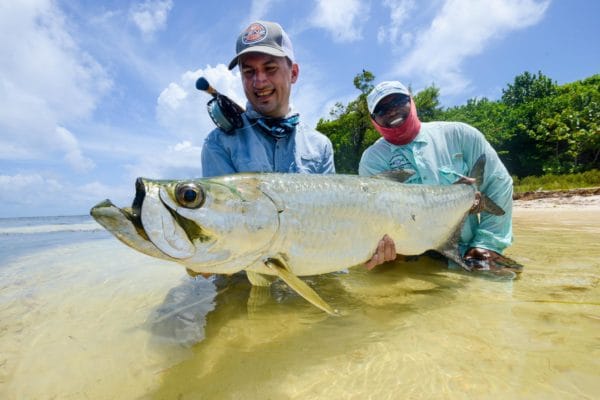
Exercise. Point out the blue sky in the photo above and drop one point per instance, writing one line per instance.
(96, 93)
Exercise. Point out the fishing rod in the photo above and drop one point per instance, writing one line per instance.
(224, 112)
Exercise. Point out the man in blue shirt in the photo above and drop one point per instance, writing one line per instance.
(439, 153)
(272, 137)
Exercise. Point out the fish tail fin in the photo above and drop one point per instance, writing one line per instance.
(477, 170)
(483, 203)
(488, 205)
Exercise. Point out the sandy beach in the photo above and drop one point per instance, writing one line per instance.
(572, 199)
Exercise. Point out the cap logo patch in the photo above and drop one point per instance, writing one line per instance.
(254, 33)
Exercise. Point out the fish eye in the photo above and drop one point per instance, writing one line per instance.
(189, 195)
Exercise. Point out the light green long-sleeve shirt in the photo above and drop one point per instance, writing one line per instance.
(441, 152)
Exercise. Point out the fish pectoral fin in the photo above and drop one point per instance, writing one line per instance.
(261, 280)
(280, 268)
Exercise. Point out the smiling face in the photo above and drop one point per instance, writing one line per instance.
(392, 110)
(267, 82)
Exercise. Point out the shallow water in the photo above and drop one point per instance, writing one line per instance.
(91, 318)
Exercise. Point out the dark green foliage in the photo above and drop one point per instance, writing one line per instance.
(568, 132)
(557, 182)
(428, 104)
(527, 88)
(350, 129)
(537, 127)
(551, 128)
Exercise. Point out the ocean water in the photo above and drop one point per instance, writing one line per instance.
(20, 236)
(84, 316)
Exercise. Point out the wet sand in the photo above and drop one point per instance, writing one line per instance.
(563, 201)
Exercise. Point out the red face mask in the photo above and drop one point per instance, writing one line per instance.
(404, 133)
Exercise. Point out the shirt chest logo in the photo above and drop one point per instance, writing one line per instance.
(398, 161)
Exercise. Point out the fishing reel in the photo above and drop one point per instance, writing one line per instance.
(225, 113)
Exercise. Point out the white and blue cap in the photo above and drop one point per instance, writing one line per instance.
(263, 37)
(382, 90)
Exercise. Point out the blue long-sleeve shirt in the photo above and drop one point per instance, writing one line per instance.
(249, 149)
(439, 154)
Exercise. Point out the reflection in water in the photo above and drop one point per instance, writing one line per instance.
(180, 319)
(408, 330)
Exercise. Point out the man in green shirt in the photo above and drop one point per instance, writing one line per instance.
(439, 153)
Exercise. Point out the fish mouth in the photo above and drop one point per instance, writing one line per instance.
(126, 226)
(135, 212)
(141, 225)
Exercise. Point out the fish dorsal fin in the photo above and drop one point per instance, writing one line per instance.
(279, 267)
(483, 203)
(396, 175)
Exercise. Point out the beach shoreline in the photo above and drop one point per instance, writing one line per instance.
(588, 198)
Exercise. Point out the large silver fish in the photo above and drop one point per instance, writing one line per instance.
(290, 225)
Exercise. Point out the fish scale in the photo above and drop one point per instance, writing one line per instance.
(335, 223)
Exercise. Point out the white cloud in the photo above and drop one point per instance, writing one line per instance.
(399, 13)
(172, 96)
(311, 99)
(38, 194)
(27, 189)
(258, 10)
(342, 18)
(46, 81)
(463, 28)
(181, 111)
(73, 155)
(151, 15)
(181, 108)
(179, 161)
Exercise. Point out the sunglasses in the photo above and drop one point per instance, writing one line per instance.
(398, 100)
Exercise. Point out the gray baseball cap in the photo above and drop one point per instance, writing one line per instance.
(263, 37)
(382, 90)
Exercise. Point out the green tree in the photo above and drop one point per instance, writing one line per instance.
(524, 99)
(568, 132)
(364, 82)
(428, 104)
(350, 129)
(536, 127)
(528, 87)
(485, 115)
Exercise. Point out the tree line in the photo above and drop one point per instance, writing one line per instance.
(537, 127)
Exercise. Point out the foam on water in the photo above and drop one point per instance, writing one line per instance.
(28, 230)
(40, 225)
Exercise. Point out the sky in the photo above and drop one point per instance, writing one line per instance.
(96, 93)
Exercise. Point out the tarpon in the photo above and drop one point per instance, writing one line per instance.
(291, 225)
